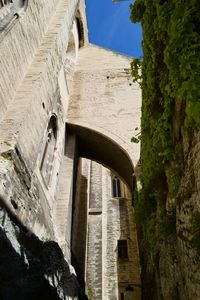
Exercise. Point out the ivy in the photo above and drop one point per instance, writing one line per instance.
(169, 75)
(136, 65)
(137, 11)
(195, 230)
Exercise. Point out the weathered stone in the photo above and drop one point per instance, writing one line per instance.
(49, 71)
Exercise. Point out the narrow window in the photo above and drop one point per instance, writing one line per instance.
(116, 188)
(49, 150)
(80, 29)
(122, 296)
(122, 249)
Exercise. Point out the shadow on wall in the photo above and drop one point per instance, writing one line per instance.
(96, 146)
(31, 269)
(127, 265)
(79, 229)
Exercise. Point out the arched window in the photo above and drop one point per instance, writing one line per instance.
(49, 150)
(9, 9)
(116, 187)
(122, 249)
(80, 29)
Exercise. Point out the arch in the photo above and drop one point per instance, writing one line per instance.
(80, 29)
(96, 146)
(10, 10)
(48, 155)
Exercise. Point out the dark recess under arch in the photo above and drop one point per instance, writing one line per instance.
(95, 146)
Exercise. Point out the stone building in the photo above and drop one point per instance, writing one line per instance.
(68, 110)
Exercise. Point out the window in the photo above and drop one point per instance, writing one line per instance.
(129, 288)
(8, 10)
(122, 296)
(80, 32)
(49, 150)
(122, 249)
(80, 29)
(116, 188)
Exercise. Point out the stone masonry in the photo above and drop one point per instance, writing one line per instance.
(63, 100)
(109, 219)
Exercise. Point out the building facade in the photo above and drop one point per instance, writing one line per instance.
(68, 112)
(112, 268)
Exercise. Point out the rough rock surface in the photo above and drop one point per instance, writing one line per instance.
(172, 270)
(30, 268)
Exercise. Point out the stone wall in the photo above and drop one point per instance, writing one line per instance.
(171, 268)
(25, 37)
(34, 96)
(105, 99)
(33, 88)
(39, 81)
(32, 268)
(109, 220)
(177, 252)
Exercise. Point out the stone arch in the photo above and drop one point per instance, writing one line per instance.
(100, 148)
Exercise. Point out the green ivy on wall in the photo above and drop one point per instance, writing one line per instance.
(169, 75)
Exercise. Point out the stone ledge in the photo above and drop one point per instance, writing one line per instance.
(95, 211)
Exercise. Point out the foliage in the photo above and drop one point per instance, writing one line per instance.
(170, 79)
(136, 65)
(135, 140)
(174, 178)
(137, 11)
(195, 228)
(146, 222)
(167, 226)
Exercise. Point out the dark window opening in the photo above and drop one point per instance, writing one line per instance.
(129, 288)
(122, 249)
(122, 296)
(49, 150)
(116, 188)
(80, 30)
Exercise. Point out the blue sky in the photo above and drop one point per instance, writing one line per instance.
(110, 27)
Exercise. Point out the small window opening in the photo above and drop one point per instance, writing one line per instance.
(49, 150)
(80, 29)
(129, 288)
(122, 296)
(116, 188)
(122, 249)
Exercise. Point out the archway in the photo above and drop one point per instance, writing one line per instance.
(96, 146)
(93, 203)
